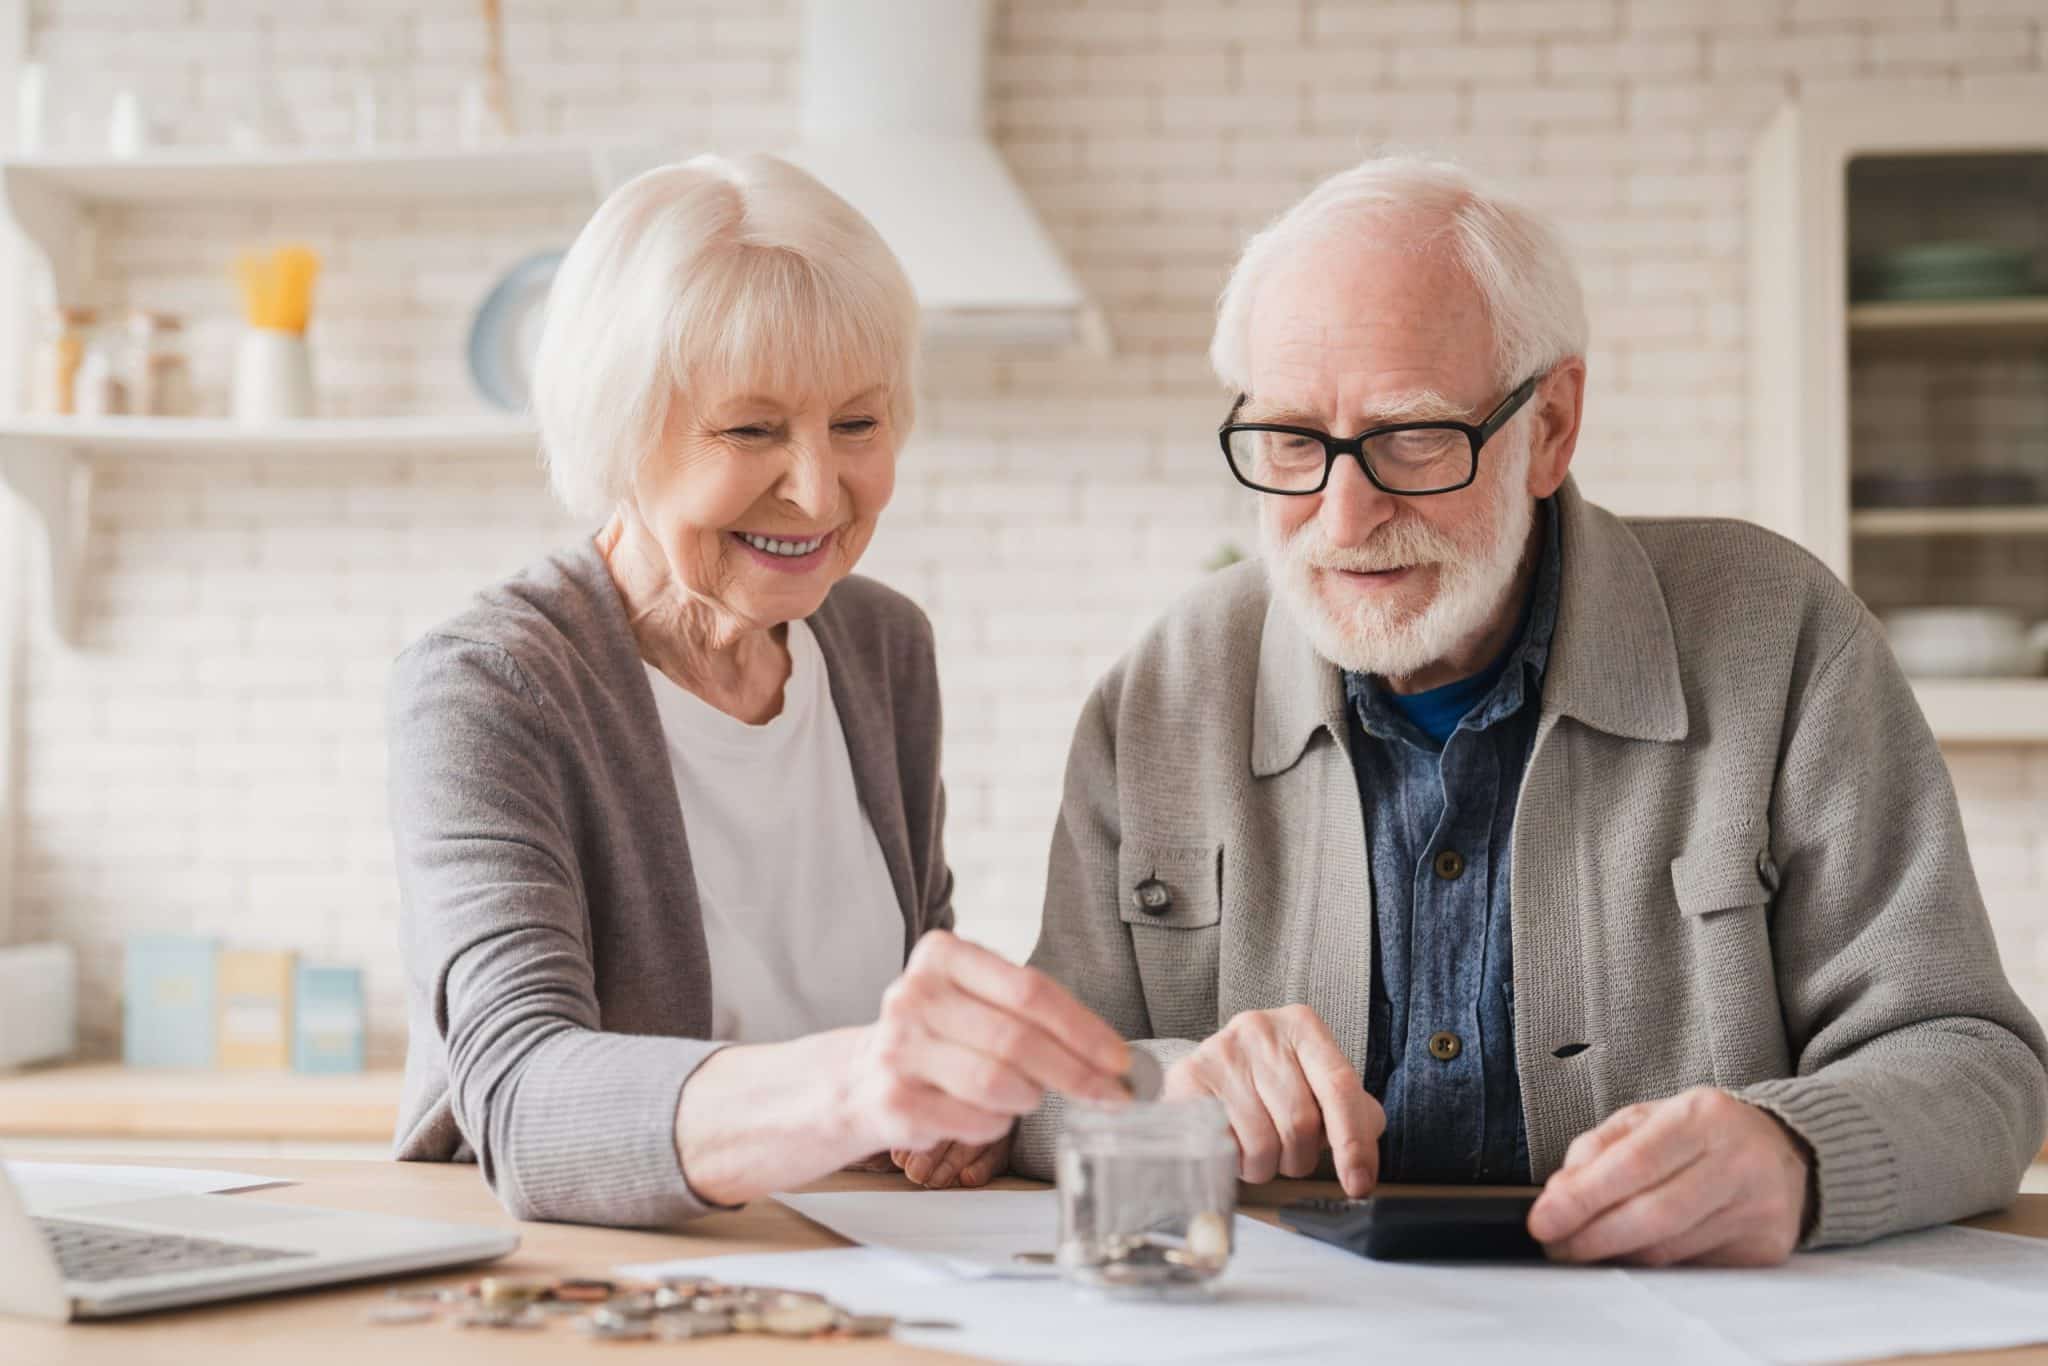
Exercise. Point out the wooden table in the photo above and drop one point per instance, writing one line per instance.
(309, 1328)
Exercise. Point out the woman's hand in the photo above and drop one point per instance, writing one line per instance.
(966, 1043)
(955, 1163)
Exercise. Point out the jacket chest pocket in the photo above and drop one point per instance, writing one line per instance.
(1170, 898)
(1724, 882)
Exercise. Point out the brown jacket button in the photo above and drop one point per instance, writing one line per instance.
(1152, 897)
(1444, 1045)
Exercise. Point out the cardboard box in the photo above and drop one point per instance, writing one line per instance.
(167, 1001)
(255, 991)
(327, 1036)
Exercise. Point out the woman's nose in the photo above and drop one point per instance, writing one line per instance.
(810, 482)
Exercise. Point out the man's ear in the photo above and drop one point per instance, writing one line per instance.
(1555, 410)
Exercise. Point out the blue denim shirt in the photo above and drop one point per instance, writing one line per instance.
(1439, 825)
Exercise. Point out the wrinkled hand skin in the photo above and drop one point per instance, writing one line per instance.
(955, 1164)
(1290, 1093)
(1700, 1179)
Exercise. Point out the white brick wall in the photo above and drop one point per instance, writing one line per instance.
(211, 758)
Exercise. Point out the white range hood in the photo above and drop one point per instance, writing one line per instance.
(892, 101)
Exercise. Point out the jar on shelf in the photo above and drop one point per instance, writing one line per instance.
(100, 391)
(1147, 1194)
(58, 356)
(160, 378)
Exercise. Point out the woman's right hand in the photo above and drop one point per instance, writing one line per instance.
(968, 1041)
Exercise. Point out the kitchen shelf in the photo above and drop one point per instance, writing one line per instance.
(52, 198)
(1985, 709)
(1976, 521)
(1966, 322)
(48, 463)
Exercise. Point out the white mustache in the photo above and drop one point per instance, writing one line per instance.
(1398, 545)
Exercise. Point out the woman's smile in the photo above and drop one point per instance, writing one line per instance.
(783, 554)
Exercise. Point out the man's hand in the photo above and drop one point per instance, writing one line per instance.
(1290, 1093)
(1701, 1178)
(966, 1164)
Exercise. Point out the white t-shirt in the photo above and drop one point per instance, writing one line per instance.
(799, 914)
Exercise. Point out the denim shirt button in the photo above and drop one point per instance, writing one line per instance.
(1444, 1045)
(1450, 865)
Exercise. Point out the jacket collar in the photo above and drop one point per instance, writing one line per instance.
(1613, 658)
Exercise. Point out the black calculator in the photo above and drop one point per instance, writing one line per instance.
(1398, 1226)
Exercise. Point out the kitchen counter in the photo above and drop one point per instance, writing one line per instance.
(109, 1101)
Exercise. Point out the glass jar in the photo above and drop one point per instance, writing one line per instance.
(160, 379)
(1148, 1192)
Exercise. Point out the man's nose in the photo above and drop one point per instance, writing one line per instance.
(1352, 507)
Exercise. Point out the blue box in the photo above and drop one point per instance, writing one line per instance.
(167, 1001)
(327, 1030)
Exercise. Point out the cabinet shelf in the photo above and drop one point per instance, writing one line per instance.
(1949, 322)
(53, 201)
(47, 462)
(1985, 710)
(1967, 521)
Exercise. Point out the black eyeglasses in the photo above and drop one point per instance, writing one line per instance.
(1412, 459)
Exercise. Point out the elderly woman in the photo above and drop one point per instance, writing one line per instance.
(667, 804)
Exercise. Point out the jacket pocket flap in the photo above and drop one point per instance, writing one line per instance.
(1169, 886)
(1727, 867)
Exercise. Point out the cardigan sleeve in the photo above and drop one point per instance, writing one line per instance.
(567, 1121)
(1919, 1079)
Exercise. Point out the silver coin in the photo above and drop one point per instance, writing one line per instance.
(1144, 1080)
(392, 1314)
(634, 1306)
(867, 1325)
(690, 1324)
(615, 1330)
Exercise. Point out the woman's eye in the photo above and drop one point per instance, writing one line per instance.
(749, 433)
(859, 426)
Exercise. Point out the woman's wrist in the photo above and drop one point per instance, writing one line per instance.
(759, 1118)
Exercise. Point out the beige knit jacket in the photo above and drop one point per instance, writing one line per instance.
(1737, 861)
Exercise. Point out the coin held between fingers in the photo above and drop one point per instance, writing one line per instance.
(1144, 1079)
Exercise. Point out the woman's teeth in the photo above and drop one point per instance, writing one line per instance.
(790, 549)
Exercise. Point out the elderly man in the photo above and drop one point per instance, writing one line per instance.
(1482, 835)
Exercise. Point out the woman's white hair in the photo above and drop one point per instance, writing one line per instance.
(713, 275)
(1512, 253)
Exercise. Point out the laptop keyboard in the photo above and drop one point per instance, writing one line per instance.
(100, 1252)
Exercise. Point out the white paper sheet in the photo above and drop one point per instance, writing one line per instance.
(969, 1233)
(946, 1254)
(1284, 1297)
(46, 1186)
(1941, 1290)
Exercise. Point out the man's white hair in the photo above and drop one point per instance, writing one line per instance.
(1513, 254)
(711, 275)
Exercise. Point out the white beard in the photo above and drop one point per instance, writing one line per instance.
(1474, 572)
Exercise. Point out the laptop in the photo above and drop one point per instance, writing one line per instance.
(87, 1259)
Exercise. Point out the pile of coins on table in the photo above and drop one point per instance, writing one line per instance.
(616, 1311)
(1153, 1259)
